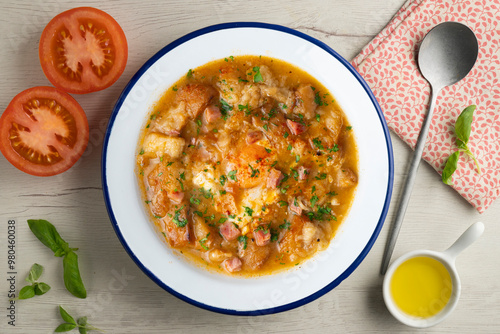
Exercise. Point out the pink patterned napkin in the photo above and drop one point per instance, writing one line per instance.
(388, 64)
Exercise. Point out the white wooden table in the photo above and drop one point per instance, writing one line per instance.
(121, 299)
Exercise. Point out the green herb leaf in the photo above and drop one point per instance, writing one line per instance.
(35, 273)
(232, 175)
(65, 316)
(257, 77)
(450, 168)
(64, 328)
(48, 235)
(248, 211)
(244, 240)
(463, 124)
(41, 288)
(72, 278)
(27, 292)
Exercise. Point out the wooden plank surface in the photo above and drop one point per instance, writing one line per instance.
(121, 299)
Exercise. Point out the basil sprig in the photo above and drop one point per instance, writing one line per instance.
(48, 235)
(463, 127)
(71, 324)
(36, 288)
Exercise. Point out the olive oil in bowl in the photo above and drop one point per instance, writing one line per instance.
(421, 286)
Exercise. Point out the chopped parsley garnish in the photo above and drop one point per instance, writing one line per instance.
(274, 235)
(289, 147)
(285, 135)
(141, 152)
(222, 180)
(175, 89)
(178, 220)
(297, 158)
(222, 220)
(225, 108)
(314, 199)
(335, 148)
(317, 99)
(348, 128)
(232, 175)
(318, 117)
(243, 239)
(255, 172)
(285, 226)
(282, 203)
(321, 176)
(245, 108)
(195, 200)
(203, 241)
(332, 193)
(257, 77)
(317, 143)
(265, 127)
(207, 193)
(268, 150)
(189, 74)
(248, 211)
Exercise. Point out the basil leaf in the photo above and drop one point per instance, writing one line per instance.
(82, 330)
(72, 278)
(66, 317)
(461, 144)
(450, 167)
(27, 292)
(82, 321)
(35, 273)
(48, 235)
(463, 124)
(41, 288)
(64, 328)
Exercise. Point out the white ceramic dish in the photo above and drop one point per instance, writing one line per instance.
(218, 292)
(447, 258)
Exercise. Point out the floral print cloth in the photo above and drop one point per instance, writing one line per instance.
(389, 66)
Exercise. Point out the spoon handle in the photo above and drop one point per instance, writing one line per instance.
(465, 240)
(405, 197)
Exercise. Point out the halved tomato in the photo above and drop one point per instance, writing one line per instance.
(43, 131)
(83, 50)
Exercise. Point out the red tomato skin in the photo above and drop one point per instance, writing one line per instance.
(14, 112)
(48, 56)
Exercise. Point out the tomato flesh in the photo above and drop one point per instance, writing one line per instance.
(83, 50)
(43, 131)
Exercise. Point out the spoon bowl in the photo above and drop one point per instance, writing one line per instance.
(447, 54)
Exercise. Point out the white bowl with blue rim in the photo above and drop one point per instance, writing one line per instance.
(236, 295)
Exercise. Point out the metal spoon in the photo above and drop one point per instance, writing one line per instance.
(447, 53)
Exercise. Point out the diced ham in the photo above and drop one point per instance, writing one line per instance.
(303, 172)
(232, 264)
(294, 207)
(295, 127)
(274, 178)
(176, 196)
(229, 231)
(211, 114)
(253, 137)
(262, 236)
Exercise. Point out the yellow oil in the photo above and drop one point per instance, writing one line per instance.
(421, 286)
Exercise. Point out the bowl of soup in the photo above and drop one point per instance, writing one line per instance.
(247, 168)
